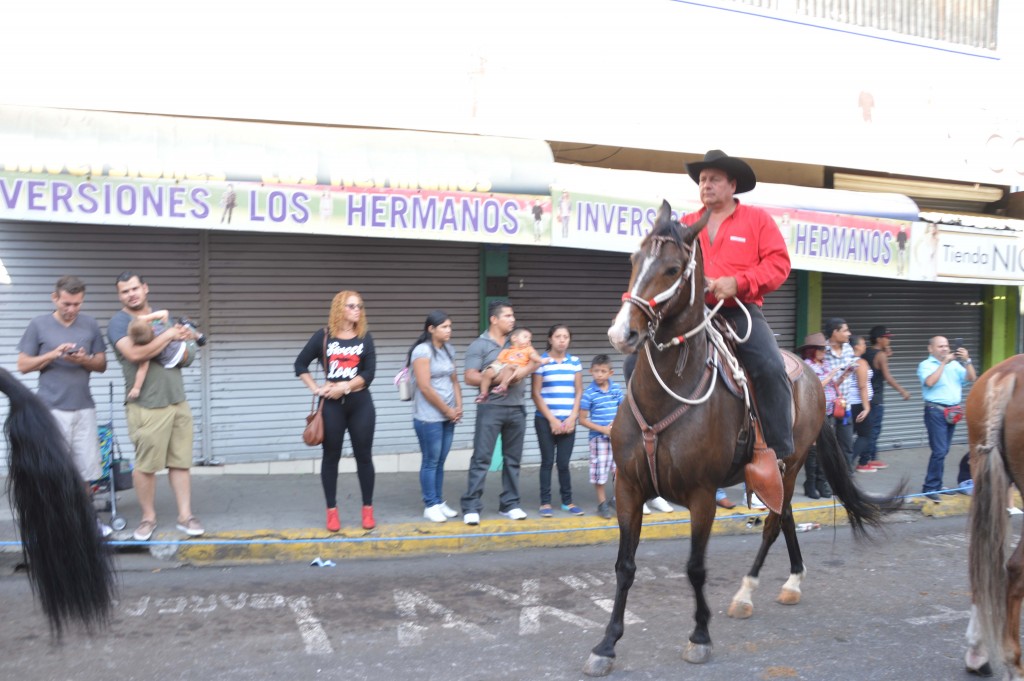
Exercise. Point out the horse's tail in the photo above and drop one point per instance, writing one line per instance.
(989, 519)
(863, 509)
(69, 566)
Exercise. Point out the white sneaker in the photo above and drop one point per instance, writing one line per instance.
(471, 518)
(661, 505)
(755, 502)
(434, 514)
(1013, 510)
(514, 513)
(647, 509)
(448, 511)
(105, 530)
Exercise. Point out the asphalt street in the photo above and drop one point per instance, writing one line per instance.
(887, 610)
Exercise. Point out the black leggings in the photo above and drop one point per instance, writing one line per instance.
(356, 414)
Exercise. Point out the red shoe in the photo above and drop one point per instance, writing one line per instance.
(866, 468)
(878, 464)
(333, 523)
(368, 523)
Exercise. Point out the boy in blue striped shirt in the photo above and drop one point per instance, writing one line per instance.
(598, 406)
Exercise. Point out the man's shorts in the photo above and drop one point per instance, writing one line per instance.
(162, 437)
(602, 465)
(79, 428)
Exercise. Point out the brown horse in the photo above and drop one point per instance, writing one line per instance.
(694, 453)
(995, 432)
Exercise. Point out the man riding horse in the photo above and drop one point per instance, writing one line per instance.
(745, 258)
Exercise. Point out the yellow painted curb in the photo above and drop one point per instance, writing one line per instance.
(423, 538)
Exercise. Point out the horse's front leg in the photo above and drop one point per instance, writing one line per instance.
(702, 516)
(629, 505)
(742, 605)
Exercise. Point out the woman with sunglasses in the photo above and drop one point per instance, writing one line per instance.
(351, 362)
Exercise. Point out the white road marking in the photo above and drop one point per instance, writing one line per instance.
(411, 634)
(312, 632)
(945, 615)
(531, 612)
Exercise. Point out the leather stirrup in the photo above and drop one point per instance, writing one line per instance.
(764, 474)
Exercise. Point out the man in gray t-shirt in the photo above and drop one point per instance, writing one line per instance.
(65, 347)
(503, 415)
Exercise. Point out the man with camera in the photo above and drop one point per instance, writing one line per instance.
(943, 375)
(65, 347)
(159, 420)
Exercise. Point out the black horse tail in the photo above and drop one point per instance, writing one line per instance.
(863, 509)
(69, 566)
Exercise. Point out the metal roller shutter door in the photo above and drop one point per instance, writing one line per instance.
(913, 312)
(269, 292)
(579, 288)
(780, 311)
(37, 254)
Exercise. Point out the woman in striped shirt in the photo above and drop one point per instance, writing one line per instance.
(557, 387)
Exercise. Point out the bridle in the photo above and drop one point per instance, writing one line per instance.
(654, 315)
(650, 307)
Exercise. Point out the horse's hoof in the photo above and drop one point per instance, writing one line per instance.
(788, 597)
(983, 670)
(598, 665)
(697, 653)
(740, 611)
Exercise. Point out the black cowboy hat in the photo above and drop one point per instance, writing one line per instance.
(736, 168)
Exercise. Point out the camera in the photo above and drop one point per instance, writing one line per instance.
(190, 325)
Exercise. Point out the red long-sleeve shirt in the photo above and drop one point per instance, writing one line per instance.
(749, 247)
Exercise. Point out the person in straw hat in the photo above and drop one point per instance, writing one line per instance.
(745, 258)
(813, 353)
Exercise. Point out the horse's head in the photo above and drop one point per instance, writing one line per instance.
(667, 278)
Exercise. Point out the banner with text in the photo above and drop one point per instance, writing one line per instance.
(391, 213)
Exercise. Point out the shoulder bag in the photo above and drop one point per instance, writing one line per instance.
(403, 381)
(313, 435)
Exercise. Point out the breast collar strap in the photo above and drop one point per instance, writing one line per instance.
(650, 433)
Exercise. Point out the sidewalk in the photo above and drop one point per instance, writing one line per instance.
(261, 518)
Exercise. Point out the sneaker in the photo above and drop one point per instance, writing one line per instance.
(948, 491)
(145, 530)
(966, 488)
(333, 522)
(514, 513)
(368, 522)
(448, 511)
(545, 511)
(725, 503)
(1013, 510)
(878, 464)
(572, 508)
(434, 514)
(866, 468)
(604, 510)
(471, 518)
(191, 527)
(755, 502)
(647, 509)
(933, 496)
(105, 530)
(659, 504)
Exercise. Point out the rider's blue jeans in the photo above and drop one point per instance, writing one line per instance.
(940, 434)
